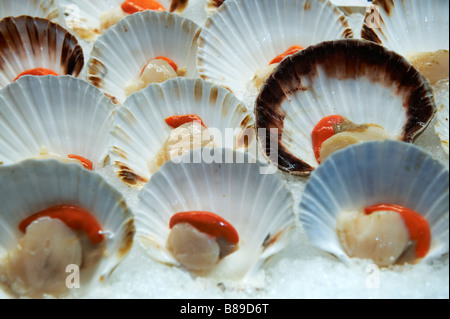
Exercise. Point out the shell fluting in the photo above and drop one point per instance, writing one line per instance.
(319, 81)
(29, 42)
(235, 190)
(371, 173)
(35, 185)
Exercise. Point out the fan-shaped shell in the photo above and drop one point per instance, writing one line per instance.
(140, 129)
(64, 115)
(83, 17)
(122, 52)
(47, 9)
(27, 43)
(370, 173)
(356, 79)
(34, 185)
(258, 205)
(408, 26)
(242, 37)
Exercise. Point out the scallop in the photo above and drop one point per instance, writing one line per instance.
(90, 19)
(44, 253)
(335, 209)
(415, 29)
(54, 116)
(232, 186)
(121, 55)
(30, 43)
(257, 31)
(47, 9)
(140, 137)
(377, 92)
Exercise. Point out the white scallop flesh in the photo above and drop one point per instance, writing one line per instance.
(181, 140)
(157, 71)
(38, 266)
(346, 138)
(194, 249)
(381, 236)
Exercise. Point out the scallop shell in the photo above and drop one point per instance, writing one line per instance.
(28, 43)
(441, 95)
(259, 206)
(242, 37)
(66, 115)
(118, 57)
(140, 129)
(409, 25)
(371, 173)
(80, 16)
(46, 9)
(34, 185)
(213, 5)
(357, 79)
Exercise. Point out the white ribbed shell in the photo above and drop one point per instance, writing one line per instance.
(259, 206)
(243, 36)
(409, 26)
(371, 173)
(140, 130)
(122, 52)
(66, 115)
(47, 9)
(87, 13)
(35, 185)
(29, 43)
(356, 79)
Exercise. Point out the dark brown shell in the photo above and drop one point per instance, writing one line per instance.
(46, 41)
(342, 59)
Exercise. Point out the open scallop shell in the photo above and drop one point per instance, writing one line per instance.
(46, 9)
(242, 37)
(371, 173)
(34, 185)
(140, 130)
(63, 114)
(441, 96)
(408, 26)
(356, 79)
(259, 206)
(83, 17)
(122, 52)
(28, 43)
